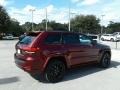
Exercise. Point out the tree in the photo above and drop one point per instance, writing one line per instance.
(4, 20)
(51, 26)
(27, 26)
(85, 24)
(15, 28)
(57, 26)
(113, 27)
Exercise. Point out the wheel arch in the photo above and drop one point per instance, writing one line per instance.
(102, 52)
(61, 58)
(103, 63)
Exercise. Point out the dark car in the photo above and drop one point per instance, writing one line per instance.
(52, 53)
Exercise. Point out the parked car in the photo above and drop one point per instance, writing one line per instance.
(108, 37)
(8, 37)
(93, 36)
(52, 53)
(117, 35)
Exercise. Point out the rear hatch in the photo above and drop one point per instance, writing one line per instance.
(26, 45)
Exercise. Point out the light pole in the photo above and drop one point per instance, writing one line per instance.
(46, 18)
(32, 10)
(102, 24)
(69, 16)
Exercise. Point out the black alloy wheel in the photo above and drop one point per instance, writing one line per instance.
(102, 39)
(106, 60)
(55, 71)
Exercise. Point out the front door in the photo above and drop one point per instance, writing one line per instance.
(79, 50)
(90, 51)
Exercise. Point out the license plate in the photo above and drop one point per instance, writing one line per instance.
(18, 51)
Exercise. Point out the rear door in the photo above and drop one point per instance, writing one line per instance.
(52, 44)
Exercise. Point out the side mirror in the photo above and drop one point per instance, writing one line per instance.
(94, 42)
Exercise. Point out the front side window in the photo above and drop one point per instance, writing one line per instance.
(71, 39)
(84, 40)
(53, 39)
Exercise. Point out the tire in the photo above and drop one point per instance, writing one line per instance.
(55, 71)
(112, 40)
(105, 60)
(102, 39)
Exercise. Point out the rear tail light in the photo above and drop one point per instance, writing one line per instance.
(30, 50)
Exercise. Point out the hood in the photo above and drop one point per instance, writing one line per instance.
(103, 46)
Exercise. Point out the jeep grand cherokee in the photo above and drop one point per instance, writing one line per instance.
(52, 53)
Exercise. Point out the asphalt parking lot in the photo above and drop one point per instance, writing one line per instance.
(87, 78)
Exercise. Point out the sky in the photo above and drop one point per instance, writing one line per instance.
(58, 10)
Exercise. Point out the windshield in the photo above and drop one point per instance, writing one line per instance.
(114, 34)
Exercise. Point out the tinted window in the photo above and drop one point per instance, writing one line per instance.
(53, 39)
(27, 40)
(93, 37)
(71, 39)
(106, 35)
(85, 40)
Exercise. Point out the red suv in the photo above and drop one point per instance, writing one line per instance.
(52, 53)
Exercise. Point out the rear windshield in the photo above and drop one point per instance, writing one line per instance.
(28, 39)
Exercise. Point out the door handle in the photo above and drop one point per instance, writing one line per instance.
(82, 51)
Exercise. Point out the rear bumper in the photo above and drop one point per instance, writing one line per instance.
(29, 66)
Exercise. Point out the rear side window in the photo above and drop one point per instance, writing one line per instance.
(71, 39)
(53, 39)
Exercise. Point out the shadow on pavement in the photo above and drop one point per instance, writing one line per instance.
(84, 71)
(9, 80)
(79, 72)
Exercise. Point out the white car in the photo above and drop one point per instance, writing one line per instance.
(117, 35)
(109, 37)
(8, 37)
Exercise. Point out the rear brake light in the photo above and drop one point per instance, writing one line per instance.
(31, 50)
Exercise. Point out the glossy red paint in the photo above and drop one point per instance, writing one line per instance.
(35, 56)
